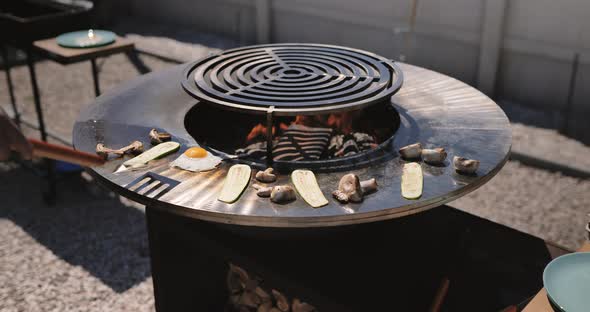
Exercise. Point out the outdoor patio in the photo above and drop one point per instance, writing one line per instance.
(89, 252)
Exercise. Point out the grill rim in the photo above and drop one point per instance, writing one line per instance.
(189, 85)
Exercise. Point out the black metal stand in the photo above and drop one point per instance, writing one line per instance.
(95, 77)
(383, 266)
(51, 194)
(7, 66)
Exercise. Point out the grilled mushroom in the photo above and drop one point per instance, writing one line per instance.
(135, 147)
(159, 137)
(434, 156)
(104, 151)
(266, 176)
(282, 194)
(411, 151)
(465, 165)
(349, 189)
(369, 186)
(262, 191)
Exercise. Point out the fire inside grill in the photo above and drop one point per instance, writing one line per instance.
(310, 137)
(299, 138)
(293, 102)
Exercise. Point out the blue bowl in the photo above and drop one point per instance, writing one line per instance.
(90, 38)
(567, 281)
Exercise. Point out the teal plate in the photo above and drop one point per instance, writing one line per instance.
(91, 38)
(567, 280)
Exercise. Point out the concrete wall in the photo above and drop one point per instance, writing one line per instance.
(533, 41)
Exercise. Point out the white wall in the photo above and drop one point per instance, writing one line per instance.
(539, 39)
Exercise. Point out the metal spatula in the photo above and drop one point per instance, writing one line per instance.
(152, 185)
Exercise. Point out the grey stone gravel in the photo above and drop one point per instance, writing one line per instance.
(550, 145)
(89, 253)
(545, 204)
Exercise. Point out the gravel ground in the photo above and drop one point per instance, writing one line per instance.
(550, 145)
(545, 204)
(89, 253)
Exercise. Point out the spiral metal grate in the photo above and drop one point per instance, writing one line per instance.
(292, 79)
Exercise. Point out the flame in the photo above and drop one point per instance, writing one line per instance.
(258, 130)
(340, 122)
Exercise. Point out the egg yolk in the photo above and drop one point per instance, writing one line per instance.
(195, 152)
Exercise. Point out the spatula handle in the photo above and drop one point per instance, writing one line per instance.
(63, 153)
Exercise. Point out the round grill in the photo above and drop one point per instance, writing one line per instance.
(293, 79)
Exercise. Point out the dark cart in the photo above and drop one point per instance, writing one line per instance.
(354, 257)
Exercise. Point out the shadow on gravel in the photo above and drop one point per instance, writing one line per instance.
(87, 227)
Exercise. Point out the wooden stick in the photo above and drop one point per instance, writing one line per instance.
(440, 295)
(63, 153)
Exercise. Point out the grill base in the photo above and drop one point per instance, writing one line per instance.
(338, 270)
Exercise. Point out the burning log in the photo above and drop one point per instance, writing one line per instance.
(310, 137)
(349, 144)
(258, 131)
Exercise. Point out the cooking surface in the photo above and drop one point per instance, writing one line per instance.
(434, 109)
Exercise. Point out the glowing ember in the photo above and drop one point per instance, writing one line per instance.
(340, 122)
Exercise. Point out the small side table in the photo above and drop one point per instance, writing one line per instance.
(53, 51)
(50, 49)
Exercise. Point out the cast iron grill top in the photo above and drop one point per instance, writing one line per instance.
(293, 79)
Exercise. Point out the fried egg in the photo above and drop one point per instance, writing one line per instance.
(196, 159)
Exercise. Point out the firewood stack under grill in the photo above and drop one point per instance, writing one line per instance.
(246, 295)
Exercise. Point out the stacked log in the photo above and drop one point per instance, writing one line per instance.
(246, 295)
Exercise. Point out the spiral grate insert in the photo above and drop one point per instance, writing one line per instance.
(293, 79)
